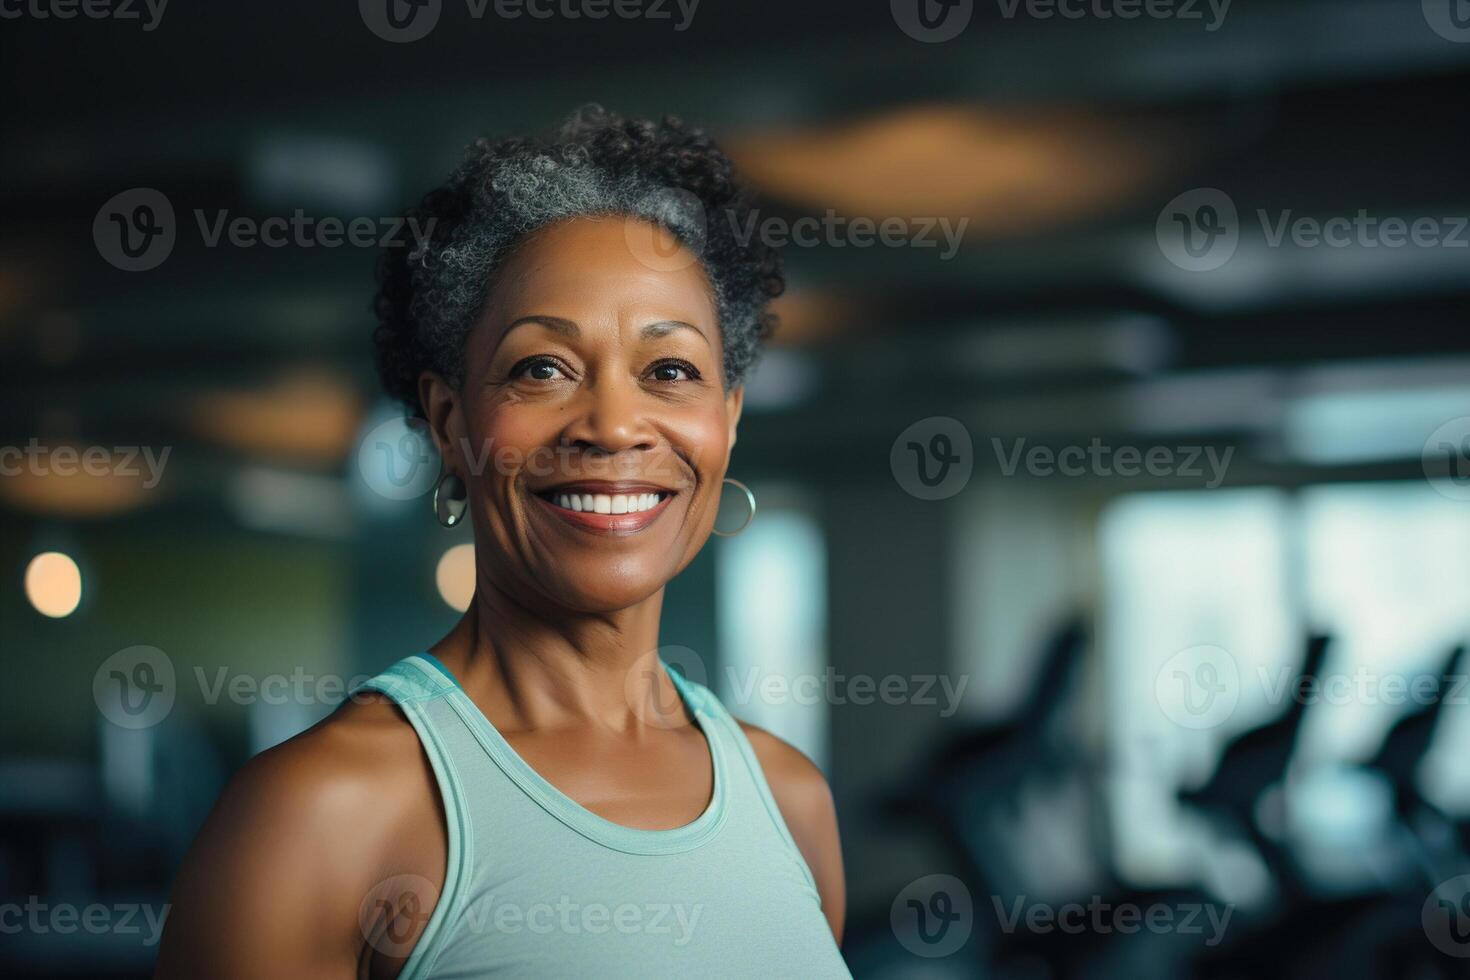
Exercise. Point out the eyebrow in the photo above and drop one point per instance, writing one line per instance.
(569, 328)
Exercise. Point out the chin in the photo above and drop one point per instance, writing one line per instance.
(599, 594)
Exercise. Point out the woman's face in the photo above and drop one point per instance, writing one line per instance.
(592, 428)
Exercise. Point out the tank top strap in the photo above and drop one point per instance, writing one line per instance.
(752, 783)
(420, 677)
(423, 690)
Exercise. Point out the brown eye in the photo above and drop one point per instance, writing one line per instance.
(537, 369)
(670, 371)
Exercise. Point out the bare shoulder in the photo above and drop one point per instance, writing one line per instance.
(805, 801)
(298, 839)
(793, 777)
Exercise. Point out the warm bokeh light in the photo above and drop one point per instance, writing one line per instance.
(1007, 172)
(54, 584)
(455, 576)
(308, 415)
(68, 480)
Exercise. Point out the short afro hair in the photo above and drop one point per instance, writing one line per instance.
(432, 288)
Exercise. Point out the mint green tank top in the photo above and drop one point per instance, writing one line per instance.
(536, 885)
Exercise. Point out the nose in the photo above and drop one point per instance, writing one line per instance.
(609, 417)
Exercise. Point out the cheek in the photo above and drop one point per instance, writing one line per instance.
(504, 442)
(509, 426)
(703, 437)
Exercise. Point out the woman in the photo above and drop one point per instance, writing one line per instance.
(537, 795)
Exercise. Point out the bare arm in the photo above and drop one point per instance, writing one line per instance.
(806, 805)
(295, 850)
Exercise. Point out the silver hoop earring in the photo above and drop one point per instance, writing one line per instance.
(750, 500)
(449, 507)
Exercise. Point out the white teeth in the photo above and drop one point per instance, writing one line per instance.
(603, 503)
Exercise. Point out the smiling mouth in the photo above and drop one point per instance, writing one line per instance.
(607, 508)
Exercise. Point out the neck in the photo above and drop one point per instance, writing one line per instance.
(529, 669)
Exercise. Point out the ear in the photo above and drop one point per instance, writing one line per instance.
(734, 402)
(441, 409)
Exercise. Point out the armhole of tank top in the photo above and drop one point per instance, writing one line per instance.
(714, 706)
(411, 699)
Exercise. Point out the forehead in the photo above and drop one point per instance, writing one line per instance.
(589, 267)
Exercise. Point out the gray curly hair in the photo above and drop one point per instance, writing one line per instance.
(432, 291)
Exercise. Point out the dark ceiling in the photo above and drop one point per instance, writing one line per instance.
(1316, 108)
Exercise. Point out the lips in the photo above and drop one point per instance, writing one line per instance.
(608, 507)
